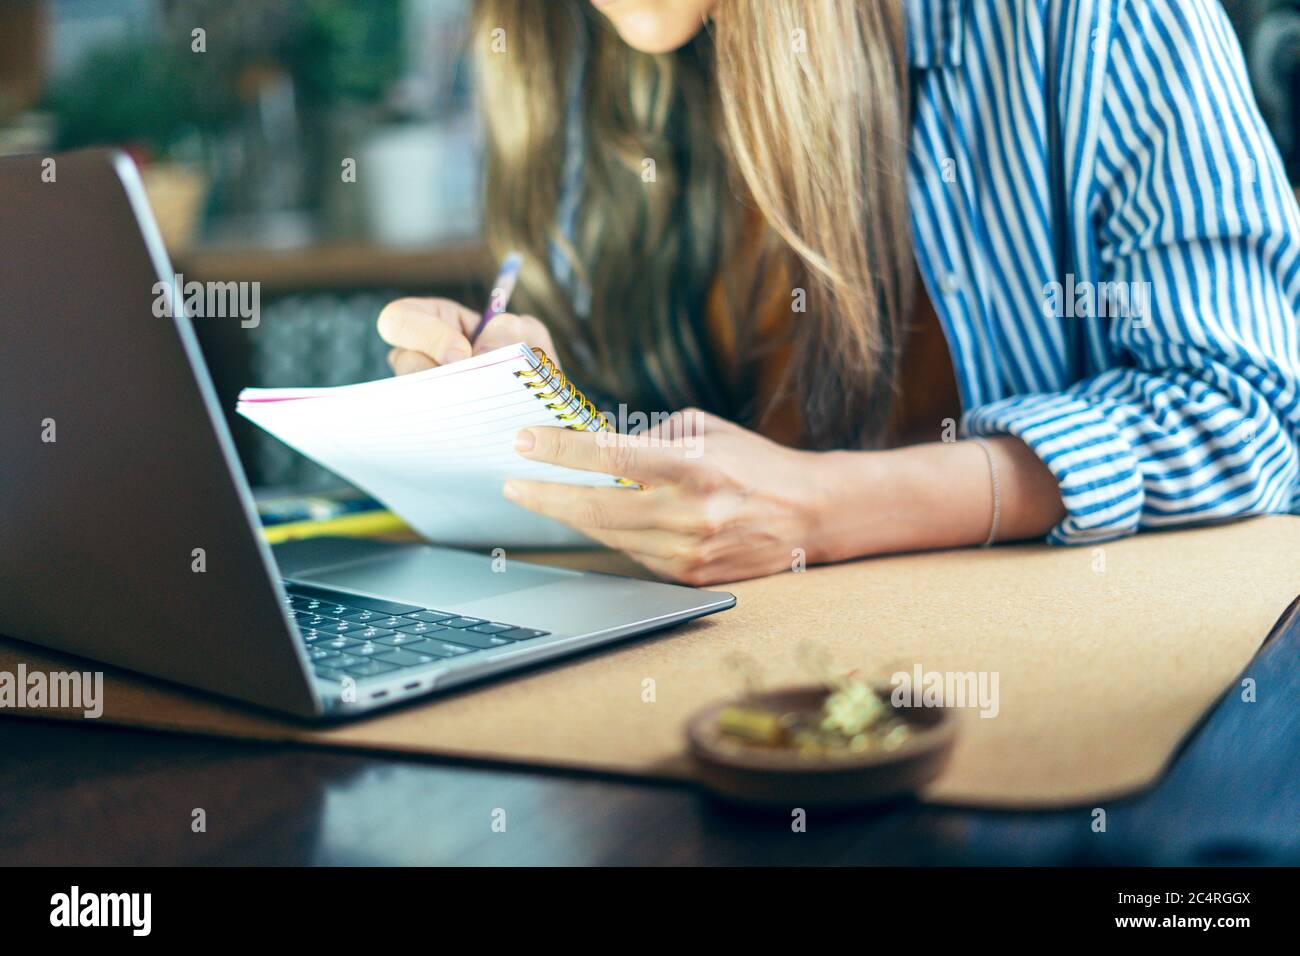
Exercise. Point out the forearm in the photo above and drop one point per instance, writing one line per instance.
(932, 496)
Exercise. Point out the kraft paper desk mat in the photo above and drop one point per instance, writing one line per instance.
(1107, 657)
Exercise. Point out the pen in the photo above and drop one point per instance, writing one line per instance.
(502, 289)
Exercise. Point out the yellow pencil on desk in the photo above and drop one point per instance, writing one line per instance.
(366, 524)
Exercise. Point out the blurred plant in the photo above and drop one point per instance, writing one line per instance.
(156, 91)
(347, 51)
(136, 91)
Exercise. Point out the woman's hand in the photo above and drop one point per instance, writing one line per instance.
(719, 502)
(426, 333)
(722, 503)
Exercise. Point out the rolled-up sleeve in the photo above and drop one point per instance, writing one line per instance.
(1201, 420)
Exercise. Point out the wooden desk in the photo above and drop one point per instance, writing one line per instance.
(82, 795)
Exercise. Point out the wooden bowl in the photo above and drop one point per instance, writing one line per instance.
(780, 778)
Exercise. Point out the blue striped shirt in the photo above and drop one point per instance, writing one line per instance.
(1104, 226)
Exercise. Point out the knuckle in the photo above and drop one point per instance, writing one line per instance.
(506, 326)
(446, 311)
(620, 456)
(683, 553)
(710, 518)
(680, 521)
(436, 332)
(526, 327)
(548, 442)
(694, 573)
(593, 514)
(706, 525)
(707, 477)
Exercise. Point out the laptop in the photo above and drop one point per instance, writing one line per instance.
(128, 533)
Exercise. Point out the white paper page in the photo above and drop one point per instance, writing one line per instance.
(435, 447)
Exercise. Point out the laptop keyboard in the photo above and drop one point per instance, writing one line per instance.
(348, 635)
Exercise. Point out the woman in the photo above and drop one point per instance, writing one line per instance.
(844, 226)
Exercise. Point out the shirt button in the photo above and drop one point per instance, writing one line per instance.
(950, 283)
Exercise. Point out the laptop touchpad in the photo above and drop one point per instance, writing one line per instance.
(434, 577)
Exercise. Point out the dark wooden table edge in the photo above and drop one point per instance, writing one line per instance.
(1288, 621)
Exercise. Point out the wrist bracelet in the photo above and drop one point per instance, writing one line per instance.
(997, 492)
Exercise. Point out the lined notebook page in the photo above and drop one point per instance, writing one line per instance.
(435, 447)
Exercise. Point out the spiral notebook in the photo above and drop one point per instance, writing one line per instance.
(436, 447)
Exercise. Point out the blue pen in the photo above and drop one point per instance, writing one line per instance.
(502, 289)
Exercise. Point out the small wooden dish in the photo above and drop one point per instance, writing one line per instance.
(781, 778)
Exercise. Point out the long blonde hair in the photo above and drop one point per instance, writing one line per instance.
(796, 107)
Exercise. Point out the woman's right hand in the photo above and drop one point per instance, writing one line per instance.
(426, 333)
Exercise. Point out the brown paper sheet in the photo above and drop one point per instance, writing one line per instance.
(1106, 658)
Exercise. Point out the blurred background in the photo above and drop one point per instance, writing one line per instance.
(243, 132)
(242, 114)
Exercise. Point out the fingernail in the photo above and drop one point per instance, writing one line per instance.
(510, 490)
(525, 441)
(457, 353)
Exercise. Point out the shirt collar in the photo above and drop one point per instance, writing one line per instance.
(936, 32)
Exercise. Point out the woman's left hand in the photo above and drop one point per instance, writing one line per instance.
(719, 502)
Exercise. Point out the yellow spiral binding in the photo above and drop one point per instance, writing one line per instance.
(562, 396)
(572, 408)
